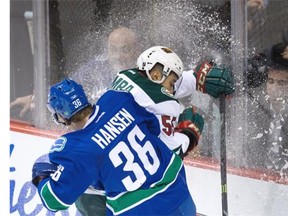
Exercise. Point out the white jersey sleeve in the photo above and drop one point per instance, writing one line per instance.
(185, 85)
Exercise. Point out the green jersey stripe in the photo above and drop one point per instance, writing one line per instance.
(156, 92)
(52, 202)
(126, 201)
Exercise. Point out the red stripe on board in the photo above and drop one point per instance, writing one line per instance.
(259, 174)
(24, 127)
(199, 162)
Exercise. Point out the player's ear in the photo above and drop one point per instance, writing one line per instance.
(155, 75)
(156, 72)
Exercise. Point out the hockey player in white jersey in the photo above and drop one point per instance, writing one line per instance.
(157, 84)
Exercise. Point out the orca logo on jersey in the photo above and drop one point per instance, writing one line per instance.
(58, 145)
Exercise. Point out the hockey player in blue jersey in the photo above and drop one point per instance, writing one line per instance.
(115, 147)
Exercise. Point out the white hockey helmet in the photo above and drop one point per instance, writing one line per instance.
(162, 55)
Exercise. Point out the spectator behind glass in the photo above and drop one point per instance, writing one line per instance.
(268, 117)
(21, 106)
(255, 12)
(99, 71)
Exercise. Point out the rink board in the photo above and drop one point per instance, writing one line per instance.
(246, 195)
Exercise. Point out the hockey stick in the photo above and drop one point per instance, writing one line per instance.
(223, 168)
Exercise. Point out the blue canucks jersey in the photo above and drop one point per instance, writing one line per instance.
(118, 151)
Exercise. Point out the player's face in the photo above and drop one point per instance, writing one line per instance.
(285, 53)
(170, 81)
(277, 86)
(121, 55)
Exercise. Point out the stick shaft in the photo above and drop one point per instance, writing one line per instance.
(223, 165)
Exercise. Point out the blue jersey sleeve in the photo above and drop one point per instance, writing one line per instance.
(72, 177)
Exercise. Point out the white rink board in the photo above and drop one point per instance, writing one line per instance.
(26, 201)
(246, 196)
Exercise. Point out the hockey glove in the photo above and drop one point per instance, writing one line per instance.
(191, 124)
(213, 80)
(41, 171)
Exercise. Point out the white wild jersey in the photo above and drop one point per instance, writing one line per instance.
(156, 99)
